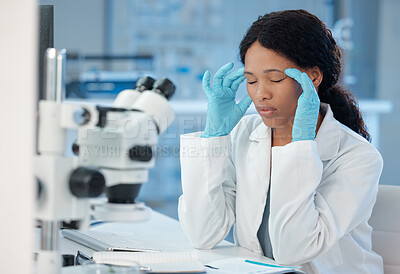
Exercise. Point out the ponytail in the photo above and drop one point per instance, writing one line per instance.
(345, 109)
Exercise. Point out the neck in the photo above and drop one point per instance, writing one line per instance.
(283, 135)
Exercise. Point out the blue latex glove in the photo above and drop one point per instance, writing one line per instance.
(222, 111)
(306, 117)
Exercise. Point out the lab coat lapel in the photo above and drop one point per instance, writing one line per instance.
(328, 136)
(259, 161)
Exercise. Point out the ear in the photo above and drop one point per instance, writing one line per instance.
(315, 75)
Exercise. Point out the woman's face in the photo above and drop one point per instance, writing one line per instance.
(274, 93)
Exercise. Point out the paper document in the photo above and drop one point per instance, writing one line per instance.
(242, 265)
(106, 241)
(159, 262)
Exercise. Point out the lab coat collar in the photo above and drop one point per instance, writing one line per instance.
(328, 137)
(261, 132)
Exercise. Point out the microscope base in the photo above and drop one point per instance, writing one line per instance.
(121, 212)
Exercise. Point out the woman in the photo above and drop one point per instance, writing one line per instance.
(299, 179)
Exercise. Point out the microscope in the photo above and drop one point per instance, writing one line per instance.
(125, 138)
(115, 147)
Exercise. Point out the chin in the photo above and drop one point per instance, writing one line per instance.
(274, 122)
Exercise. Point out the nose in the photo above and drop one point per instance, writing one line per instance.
(263, 93)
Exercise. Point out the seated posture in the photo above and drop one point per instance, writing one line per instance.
(299, 179)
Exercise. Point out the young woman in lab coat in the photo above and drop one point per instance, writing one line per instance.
(299, 179)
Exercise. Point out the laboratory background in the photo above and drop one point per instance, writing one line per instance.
(110, 44)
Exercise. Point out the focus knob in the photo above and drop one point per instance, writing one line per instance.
(87, 183)
(141, 153)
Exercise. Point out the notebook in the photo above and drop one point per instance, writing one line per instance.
(106, 241)
(160, 262)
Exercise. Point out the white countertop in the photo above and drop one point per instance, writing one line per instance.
(163, 233)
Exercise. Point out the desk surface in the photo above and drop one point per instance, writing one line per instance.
(165, 234)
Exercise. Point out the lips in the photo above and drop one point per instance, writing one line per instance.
(266, 111)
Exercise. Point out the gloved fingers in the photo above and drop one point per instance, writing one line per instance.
(237, 82)
(245, 103)
(294, 73)
(219, 75)
(308, 87)
(206, 83)
(232, 77)
(305, 82)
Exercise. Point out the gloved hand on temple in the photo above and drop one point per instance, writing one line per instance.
(306, 117)
(223, 113)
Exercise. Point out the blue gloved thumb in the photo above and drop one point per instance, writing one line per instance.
(206, 83)
(245, 103)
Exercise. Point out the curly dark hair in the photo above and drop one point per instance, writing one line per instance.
(305, 40)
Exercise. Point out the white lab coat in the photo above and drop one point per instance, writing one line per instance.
(322, 194)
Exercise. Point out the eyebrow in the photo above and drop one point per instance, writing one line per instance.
(265, 71)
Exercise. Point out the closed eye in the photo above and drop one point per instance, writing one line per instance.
(278, 80)
(250, 83)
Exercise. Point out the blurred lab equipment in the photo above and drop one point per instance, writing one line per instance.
(89, 76)
(115, 148)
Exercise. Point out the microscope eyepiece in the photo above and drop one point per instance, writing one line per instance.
(164, 87)
(144, 83)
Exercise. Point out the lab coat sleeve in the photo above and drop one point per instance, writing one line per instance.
(207, 205)
(310, 211)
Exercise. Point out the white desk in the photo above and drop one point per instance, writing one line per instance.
(165, 234)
